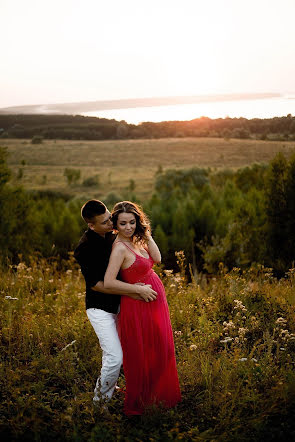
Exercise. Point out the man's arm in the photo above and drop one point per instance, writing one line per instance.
(94, 275)
(99, 287)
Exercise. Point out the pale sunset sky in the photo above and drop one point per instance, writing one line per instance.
(85, 50)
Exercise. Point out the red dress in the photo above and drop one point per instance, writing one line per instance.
(147, 343)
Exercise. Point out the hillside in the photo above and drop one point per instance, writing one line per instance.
(117, 162)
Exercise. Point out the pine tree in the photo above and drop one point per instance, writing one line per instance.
(276, 211)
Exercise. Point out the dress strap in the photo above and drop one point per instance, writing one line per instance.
(127, 247)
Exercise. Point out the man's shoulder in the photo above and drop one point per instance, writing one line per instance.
(92, 242)
(83, 241)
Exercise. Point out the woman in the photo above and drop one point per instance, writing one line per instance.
(145, 328)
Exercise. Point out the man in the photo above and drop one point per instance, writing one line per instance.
(92, 253)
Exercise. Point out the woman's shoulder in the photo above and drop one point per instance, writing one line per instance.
(118, 247)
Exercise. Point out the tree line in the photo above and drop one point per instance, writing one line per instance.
(237, 218)
(76, 127)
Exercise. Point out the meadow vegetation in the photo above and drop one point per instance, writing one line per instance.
(235, 348)
(116, 162)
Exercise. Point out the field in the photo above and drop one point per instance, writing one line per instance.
(117, 162)
(235, 348)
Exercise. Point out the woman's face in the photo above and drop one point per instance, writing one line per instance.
(126, 224)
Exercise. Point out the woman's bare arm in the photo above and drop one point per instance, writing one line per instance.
(111, 282)
(154, 250)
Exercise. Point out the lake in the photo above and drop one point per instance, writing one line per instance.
(247, 108)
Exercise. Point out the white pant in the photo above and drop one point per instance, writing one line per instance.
(105, 327)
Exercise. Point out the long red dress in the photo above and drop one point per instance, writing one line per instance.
(147, 343)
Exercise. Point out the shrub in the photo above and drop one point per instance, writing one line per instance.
(72, 175)
(37, 139)
(91, 181)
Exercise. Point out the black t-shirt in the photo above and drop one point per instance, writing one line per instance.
(93, 254)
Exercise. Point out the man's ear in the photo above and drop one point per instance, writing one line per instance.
(91, 226)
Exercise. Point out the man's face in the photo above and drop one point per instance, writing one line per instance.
(102, 224)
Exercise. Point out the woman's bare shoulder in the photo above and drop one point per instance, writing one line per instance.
(118, 248)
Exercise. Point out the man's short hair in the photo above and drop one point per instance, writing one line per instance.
(91, 209)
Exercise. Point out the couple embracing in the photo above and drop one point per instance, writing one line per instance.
(141, 335)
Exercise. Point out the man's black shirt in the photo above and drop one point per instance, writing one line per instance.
(93, 253)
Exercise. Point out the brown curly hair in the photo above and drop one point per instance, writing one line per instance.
(143, 227)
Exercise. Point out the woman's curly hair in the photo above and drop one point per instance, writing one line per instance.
(143, 227)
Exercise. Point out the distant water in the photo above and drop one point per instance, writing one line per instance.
(258, 108)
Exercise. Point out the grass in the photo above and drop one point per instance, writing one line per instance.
(117, 162)
(235, 348)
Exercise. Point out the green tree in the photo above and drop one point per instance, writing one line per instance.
(161, 240)
(290, 205)
(72, 175)
(5, 173)
(122, 130)
(276, 211)
(92, 181)
(37, 139)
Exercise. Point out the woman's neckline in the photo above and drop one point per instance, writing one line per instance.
(137, 254)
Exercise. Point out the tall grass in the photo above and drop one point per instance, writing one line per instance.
(235, 347)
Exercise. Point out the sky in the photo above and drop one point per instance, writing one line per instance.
(86, 50)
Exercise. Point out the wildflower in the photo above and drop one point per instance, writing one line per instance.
(228, 325)
(50, 280)
(242, 331)
(243, 359)
(226, 340)
(68, 272)
(281, 321)
(11, 298)
(178, 333)
(254, 360)
(21, 266)
(239, 305)
(282, 348)
(68, 345)
(193, 347)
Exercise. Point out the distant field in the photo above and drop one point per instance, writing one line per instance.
(116, 162)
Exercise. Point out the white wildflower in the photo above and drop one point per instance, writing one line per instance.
(226, 340)
(69, 345)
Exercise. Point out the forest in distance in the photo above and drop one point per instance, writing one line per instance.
(77, 127)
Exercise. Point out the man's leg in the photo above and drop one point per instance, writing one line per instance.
(104, 325)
